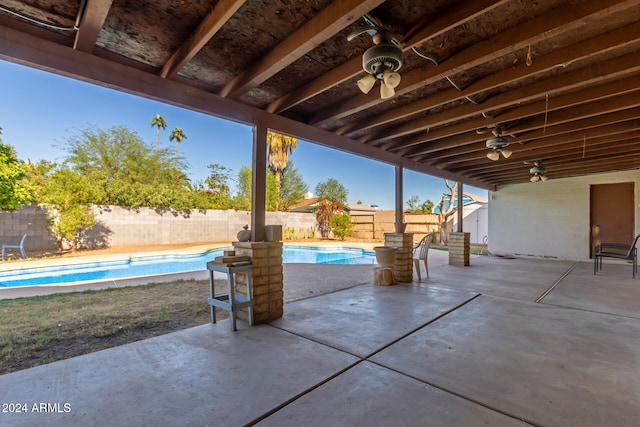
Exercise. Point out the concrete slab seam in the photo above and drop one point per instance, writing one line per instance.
(413, 331)
(586, 310)
(461, 396)
(548, 291)
(302, 393)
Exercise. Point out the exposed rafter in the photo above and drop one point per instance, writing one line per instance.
(93, 16)
(560, 77)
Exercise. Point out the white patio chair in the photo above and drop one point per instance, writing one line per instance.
(20, 246)
(420, 253)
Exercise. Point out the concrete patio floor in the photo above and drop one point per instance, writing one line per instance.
(470, 346)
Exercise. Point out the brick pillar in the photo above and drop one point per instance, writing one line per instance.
(459, 245)
(403, 268)
(267, 279)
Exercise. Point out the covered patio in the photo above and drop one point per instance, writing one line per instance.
(546, 86)
(469, 346)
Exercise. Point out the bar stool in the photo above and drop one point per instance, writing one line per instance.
(230, 302)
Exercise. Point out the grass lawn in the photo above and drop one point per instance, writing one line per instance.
(43, 329)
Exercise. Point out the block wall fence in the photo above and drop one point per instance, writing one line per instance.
(118, 226)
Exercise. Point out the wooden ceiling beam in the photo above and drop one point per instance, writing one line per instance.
(92, 21)
(32, 51)
(319, 29)
(454, 135)
(584, 116)
(210, 25)
(556, 85)
(560, 58)
(617, 125)
(559, 160)
(479, 167)
(556, 22)
(579, 168)
(461, 13)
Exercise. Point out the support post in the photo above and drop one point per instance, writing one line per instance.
(460, 207)
(258, 182)
(399, 208)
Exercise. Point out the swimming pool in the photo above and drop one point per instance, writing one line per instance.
(167, 264)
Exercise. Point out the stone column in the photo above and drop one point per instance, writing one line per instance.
(459, 246)
(403, 268)
(267, 279)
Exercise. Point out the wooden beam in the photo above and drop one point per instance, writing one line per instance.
(617, 125)
(460, 211)
(399, 198)
(558, 21)
(584, 116)
(93, 17)
(553, 87)
(318, 30)
(25, 49)
(560, 58)
(259, 182)
(555, 152)
(560, 159)
(210, 25)
(437, 141)
(458, 15)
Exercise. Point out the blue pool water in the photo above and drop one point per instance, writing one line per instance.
(152, 266)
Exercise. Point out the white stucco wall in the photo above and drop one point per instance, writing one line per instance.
(549, 219)
(474, 221)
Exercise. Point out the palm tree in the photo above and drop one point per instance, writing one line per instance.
(179, 136)
(159, 122)
(278, 149)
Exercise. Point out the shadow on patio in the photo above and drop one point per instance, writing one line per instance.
(470, 346)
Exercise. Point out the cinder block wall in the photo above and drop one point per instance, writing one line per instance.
(119, 226)
(31, 220)
(147, 226)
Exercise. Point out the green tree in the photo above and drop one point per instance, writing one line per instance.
(278, 149)
(15, 189)
(292, 188)
(158, 122)
(126, 170)
(341, 225)
(179, 136)
(331, 189)
(416, 207)
(67, 195)
(332, 197)
(218, 179)
(242, 200)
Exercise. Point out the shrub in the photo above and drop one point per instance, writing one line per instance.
(341, 225)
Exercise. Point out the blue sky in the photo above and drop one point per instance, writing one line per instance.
(39, 111)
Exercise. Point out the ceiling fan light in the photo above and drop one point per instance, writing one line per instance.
(386, 91)
(534, 178)
(493, 155)
(366, 83)
(506, 153)
(391, 78)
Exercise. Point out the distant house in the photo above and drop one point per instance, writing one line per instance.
(475, 216)
(309, 203)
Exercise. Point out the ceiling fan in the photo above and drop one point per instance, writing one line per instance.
(537, 172)
(381, 62)
(498, 143)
